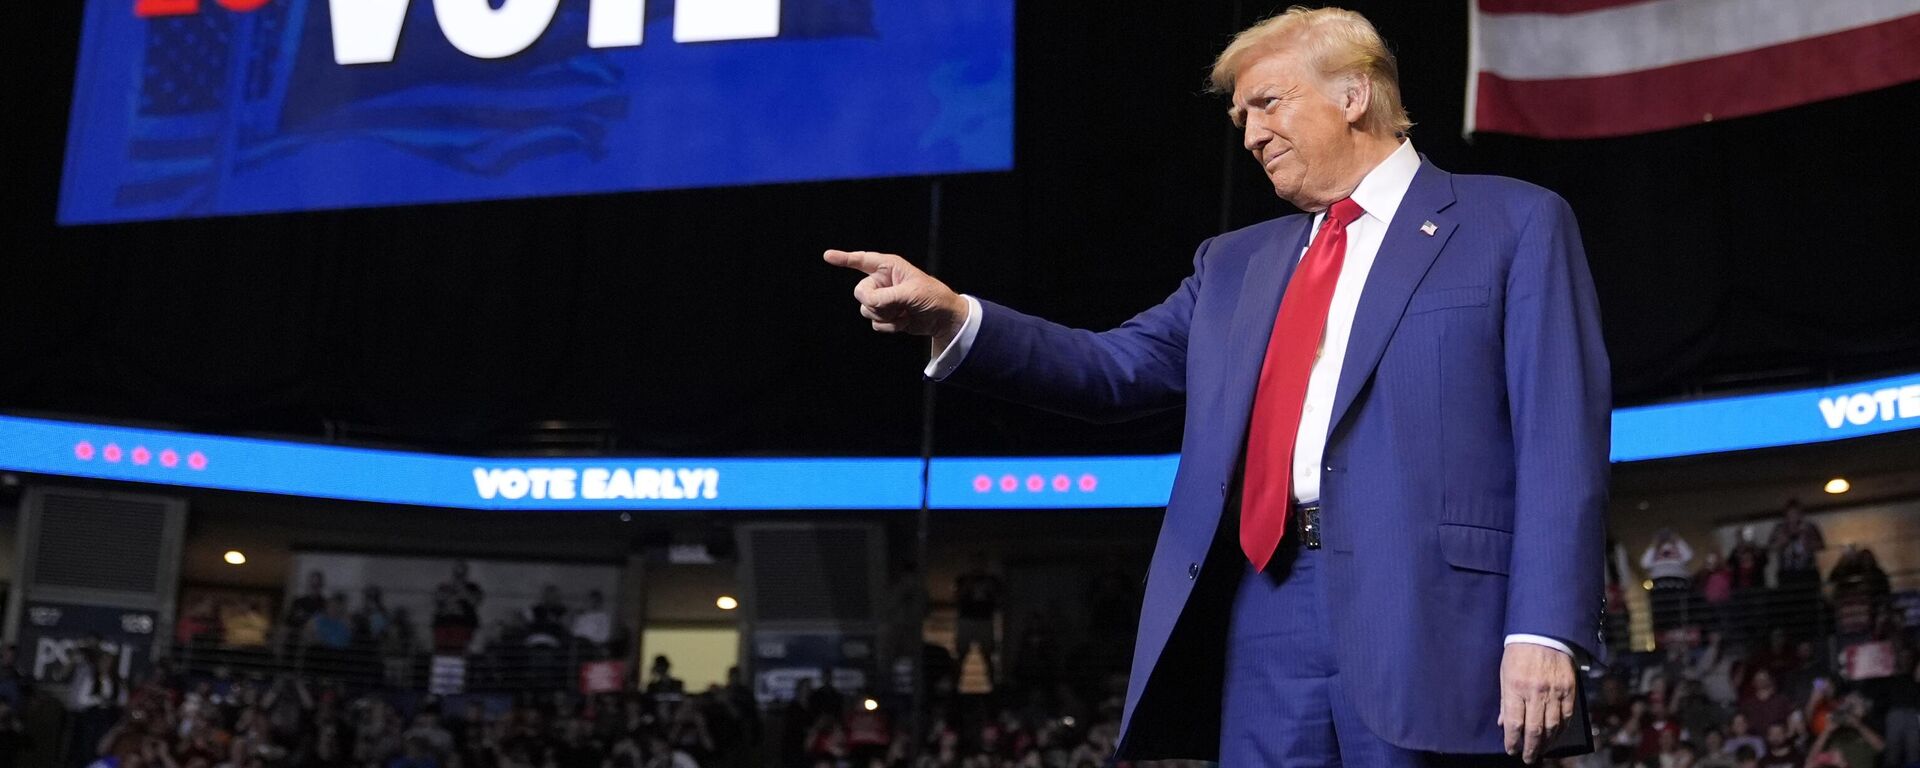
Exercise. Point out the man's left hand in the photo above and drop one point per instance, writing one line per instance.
(1536, 697)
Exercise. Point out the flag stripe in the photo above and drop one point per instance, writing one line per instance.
(1550, 6)
(1741, 84)
(1660, 33)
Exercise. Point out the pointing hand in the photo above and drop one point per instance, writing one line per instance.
(899, 298)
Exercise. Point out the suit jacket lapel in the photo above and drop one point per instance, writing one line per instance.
(1265, 282)
(1404, 258)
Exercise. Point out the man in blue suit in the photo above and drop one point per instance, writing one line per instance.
(1384, 544)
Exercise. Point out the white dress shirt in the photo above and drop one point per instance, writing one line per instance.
(1379, 195)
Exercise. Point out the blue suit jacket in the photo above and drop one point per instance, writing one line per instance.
(1466, 463)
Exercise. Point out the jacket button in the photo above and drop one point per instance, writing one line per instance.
(1223, 489)
(1193, 570)
(1329, 468)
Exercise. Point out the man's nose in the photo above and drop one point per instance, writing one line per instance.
(1255, 137)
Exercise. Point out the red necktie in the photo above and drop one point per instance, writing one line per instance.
(1291, 351)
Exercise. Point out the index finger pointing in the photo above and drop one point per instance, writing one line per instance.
(865, 261)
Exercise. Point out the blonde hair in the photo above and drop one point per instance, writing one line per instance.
(1336, 42)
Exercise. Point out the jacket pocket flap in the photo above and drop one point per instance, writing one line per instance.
(1447, 298)
(1475, 548)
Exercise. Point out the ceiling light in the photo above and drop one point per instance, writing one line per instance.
(871, 705)
(234, 557)
(1839, 485)
(727, 603)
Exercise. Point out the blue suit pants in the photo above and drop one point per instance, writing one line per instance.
(1284, 703)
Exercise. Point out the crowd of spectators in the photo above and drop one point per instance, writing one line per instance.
(171, 719)
(324, 632)
(823, 728)
(1757, 583)
(1779, 703)
(1777, 668)
(1757, 665)
(341, 682)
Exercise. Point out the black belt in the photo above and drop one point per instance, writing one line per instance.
(1305, 521)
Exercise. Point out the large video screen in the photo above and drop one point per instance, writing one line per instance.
(186, 108)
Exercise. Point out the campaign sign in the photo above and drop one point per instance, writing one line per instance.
(598, 677)
(782, 659)
(187, 108)
(52, 636)
(447, 676)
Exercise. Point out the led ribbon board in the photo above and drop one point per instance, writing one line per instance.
(322, 471)
(188, 108)
(1764, 421)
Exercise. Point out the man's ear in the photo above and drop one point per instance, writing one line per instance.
(1358, 92)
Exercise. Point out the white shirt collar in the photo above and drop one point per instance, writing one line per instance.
(1382, 189)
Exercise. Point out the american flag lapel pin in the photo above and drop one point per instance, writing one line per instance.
(1428, 229)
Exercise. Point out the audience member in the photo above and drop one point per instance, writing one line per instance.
(1900, 695)
(1740, 733)
(244, 624)
(1847, 741)
(332, 627)
(1714, 668)
(1860, 591)
(1778, 657)
(1666, 562)
(456, 611)
(1714, 586)
(826, 700)
(547, 620)
(1795, 542)
(976, 596)
(1713, 750)
(13, 735)
(1780, 751)
(665, 756)
(1673, 753)
(593, 626)
(15, 684)
(1748, 562)
(1657, 727)
(396, 646)
(301, 610)
(1747, 565)
(1765, 706)
(372, 617)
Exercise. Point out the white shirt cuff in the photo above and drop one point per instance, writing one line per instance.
(950, 358)
(1538, 640)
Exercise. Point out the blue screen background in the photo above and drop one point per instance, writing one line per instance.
(221, 113)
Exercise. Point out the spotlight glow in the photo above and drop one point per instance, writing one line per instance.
(871, 705)
(1839, 485)
(234, 557)
(727, 603)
